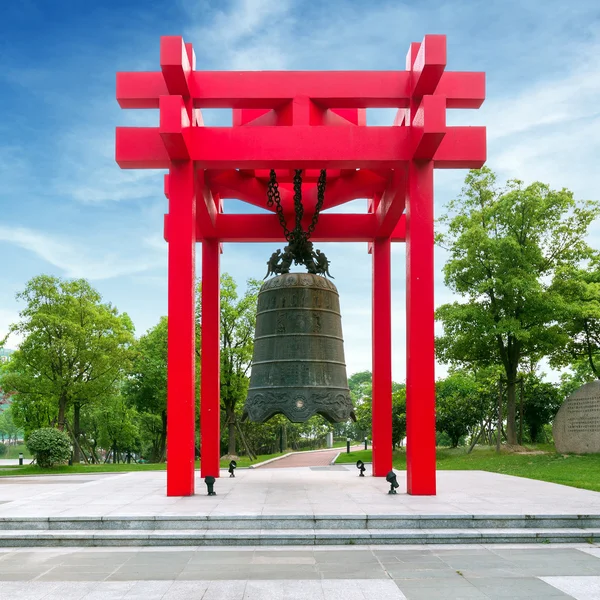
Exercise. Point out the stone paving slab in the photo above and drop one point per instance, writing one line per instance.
(394, 573)
(295, 491)
(581, 588)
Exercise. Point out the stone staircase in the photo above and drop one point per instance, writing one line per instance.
(297, 530)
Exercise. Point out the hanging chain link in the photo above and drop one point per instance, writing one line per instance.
(299, 249)
(298, 208)
(273, 196)
(320, 199)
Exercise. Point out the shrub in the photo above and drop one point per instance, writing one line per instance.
(3, 449)
(49, 446)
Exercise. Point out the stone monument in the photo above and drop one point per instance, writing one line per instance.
(576, 426)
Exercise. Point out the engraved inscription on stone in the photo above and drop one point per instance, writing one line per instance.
(576, 427)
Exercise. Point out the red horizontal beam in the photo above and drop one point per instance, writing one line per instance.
(355, 185)
(462, 148)
(304, 147)
(266, 228)
(271, 89)
(140, 148)
(233, 184)
(462, 90)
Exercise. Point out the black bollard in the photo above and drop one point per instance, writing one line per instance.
(348, 445)
(232, 468)
(210, 483)
(392, 480)
(20, 459)
(365, 442)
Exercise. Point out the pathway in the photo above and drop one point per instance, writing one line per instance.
(315, 458)
(319, 458)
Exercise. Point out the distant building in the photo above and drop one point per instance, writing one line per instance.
(5, 355)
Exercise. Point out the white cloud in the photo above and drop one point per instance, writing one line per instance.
(75, 260)
(550, 129)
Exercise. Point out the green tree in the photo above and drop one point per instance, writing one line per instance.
(118, 428)
(146, 388)
(398, 415)
(541, 401)
(361, 391)
(75, 351)
(7, 422)
(238, 322)
(505, 247)
(459, 405)
(579, 316)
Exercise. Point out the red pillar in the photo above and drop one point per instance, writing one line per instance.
(210, 424)
(420, 351)
(382, 357)
(181, 340)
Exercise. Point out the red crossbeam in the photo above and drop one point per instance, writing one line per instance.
(266, 228)
(310, 147)
(332, 89)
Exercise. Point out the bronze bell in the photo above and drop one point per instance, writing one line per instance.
(298, 368)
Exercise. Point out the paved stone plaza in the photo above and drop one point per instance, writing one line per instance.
(415, 573)
(335, 490)
(321, 572)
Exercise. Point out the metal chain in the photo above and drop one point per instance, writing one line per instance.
(320, 199)
(299, 209)
(273, 195)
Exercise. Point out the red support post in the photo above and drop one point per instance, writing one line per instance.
(420, 351)
(382, 357)
(210, 424)
(181, 332)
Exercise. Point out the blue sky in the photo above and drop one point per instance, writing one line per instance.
(67, 209)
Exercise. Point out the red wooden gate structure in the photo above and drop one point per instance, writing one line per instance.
(310, 121)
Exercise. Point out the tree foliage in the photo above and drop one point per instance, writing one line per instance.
(237, 322)
(118, 429)
(75, 350)
(578, 288)
(460, 405)
(49, 446)
(146, 388)
(541, 401)
(505, 246)
(8, 428)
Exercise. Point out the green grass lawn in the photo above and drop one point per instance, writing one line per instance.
(13, 451)
(12, 470)
(244, 461)
(576, 471)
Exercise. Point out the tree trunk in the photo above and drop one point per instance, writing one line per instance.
(231, 427)
(62, 409)
(511, 406)
(76, 416)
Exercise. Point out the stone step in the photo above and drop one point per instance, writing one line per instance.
(299, 537)
(300, 522)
